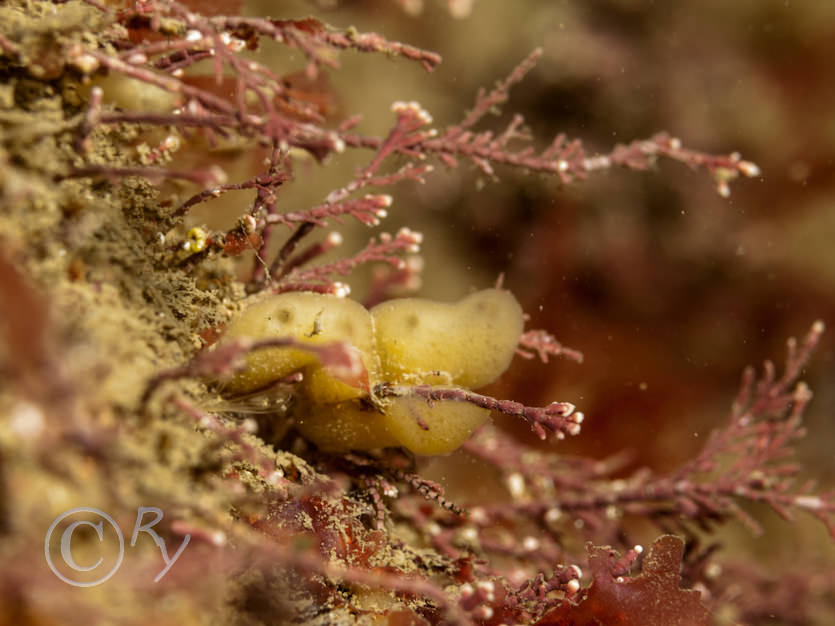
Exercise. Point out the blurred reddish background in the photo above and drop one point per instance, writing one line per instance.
(668, 288)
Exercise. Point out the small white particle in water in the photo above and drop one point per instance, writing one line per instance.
(27, 420)
(516, 485)
(218, 538)
(530, 543)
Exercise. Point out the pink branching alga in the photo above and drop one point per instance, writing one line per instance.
(513, 561)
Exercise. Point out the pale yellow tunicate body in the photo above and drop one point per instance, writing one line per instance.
(470, 342)
(411, 341)
(448, 423)
(309, 318)
(343, 426)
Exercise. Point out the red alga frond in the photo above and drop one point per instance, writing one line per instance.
(653, 598)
